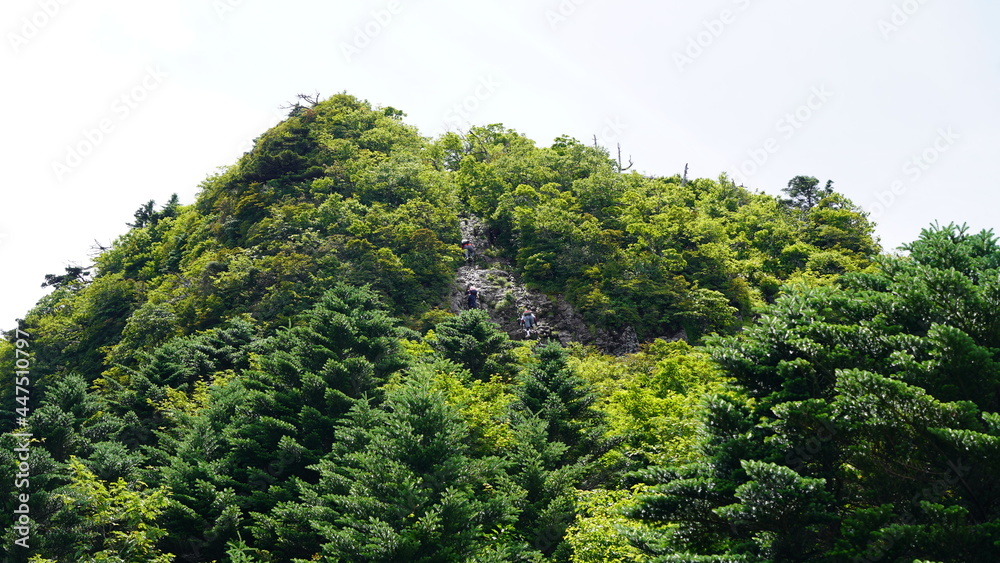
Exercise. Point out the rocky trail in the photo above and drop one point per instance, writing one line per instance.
(504, 297)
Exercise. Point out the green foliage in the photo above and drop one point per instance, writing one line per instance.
(803, 192)
(400, 485)
(254, 442)
(109, 522)
(75, 325)
(651, 253)
(75, 276)
(79, 425)
(473, 341)
(955, 247)
(651, 401)
(599, 533)
(483, 405)
(865, 434)
(41, 482)
(244, 356)
(562, 400)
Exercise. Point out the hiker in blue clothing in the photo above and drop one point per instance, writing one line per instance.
(528, 322)
(471, 293)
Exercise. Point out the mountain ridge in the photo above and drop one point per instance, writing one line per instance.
(286, 368)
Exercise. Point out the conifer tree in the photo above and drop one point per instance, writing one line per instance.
(558, 433)
(400, 486)
(563, 400)
(865, 434)
(253, 444)
(475, 342)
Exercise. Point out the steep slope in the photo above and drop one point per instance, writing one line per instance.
(243, 357)
(504, 296)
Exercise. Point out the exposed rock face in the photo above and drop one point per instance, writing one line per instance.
(624, 342)
(504, 297)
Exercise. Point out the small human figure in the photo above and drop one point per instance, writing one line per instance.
(471, 294)
(470, 251)
(528, 322)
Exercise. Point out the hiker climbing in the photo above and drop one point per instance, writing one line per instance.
(471, 294)
(470, 251)
(527, 322)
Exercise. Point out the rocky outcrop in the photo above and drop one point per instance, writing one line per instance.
(504, 297)
(625, 341)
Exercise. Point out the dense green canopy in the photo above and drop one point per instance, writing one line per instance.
(280, 372)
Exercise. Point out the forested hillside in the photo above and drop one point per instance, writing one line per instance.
(286, 369)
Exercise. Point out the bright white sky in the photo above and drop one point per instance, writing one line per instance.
(111, 103)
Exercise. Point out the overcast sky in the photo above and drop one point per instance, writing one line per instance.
(107, 104)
